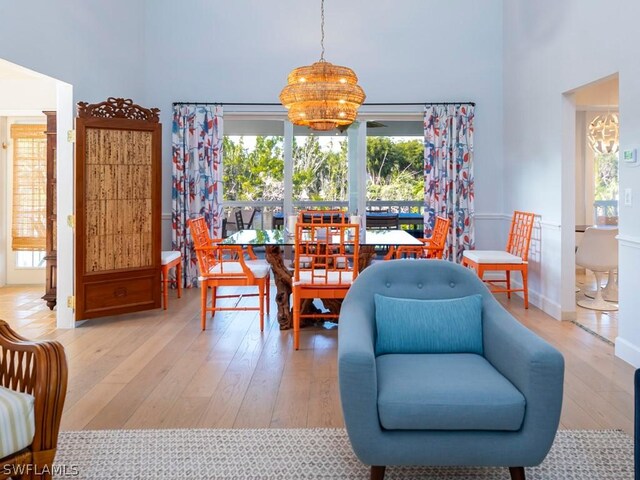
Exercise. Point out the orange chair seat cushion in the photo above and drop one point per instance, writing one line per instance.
(491, 256)
(167, 257)
(259, 268)
(324, 278)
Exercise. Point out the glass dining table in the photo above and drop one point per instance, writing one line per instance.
(278, 252)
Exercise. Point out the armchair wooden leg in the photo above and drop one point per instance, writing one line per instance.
(179, 278)
(508, 284)
(526, 288)
(517, 473)
(377, 472)
(203, 304)
(296, 319)
(261, 287)
(214, 300)
(268, 294)
(165, 286)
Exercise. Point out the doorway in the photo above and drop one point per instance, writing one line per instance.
(24, 96)
(596, 207)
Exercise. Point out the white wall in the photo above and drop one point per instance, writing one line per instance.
(242, 51)
(550, 48)
(96, 49)
(4, 141)
(94, 45)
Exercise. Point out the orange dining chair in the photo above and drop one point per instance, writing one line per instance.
(432, 247)
(330, 266)
(514, 258)
(225, 266)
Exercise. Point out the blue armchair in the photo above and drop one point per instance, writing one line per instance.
(500, 408)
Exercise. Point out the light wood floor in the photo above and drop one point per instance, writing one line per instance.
(158, 370)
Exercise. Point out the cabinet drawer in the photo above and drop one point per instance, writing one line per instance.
(108, 297)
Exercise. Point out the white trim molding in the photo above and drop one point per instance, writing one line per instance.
(627, 351)
(507, 217)
(492, 216)
(548, 306)
(628, 241)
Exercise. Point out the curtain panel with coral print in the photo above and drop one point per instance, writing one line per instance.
(448, 174)
(196, 179)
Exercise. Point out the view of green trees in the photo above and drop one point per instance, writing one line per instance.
(394, 168)
(606, 168)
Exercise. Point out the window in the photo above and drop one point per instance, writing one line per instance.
(606, 188)
(253, 167)
(320, 168)
(30, 259)
(395, 168)
(395, 165)
(28, 215)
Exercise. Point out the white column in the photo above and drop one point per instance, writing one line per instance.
(357, 158)
(568, 212)
(65, 162)
(287, 206)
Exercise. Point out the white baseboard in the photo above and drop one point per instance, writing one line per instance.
(628, 352)
(548, 306)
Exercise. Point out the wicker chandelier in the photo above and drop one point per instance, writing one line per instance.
(604, 134)
(322, 96)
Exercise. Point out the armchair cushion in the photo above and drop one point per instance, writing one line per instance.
(406, 325)
(17, 421)
(445, 392)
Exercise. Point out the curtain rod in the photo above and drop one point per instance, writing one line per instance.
(364, 104)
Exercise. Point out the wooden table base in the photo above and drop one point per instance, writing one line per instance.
(283, 279)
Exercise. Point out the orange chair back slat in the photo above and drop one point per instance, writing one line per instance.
(201, 242)
(322, 216)
(326, 254)
(520, 234)
(433, 246)
(438, 238)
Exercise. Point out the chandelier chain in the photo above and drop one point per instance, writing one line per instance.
(322, 29)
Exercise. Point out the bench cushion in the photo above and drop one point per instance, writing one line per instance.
(445, 392)
(17, 423)
(491, 256)
(169, 256)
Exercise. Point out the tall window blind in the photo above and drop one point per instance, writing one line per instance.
(28, 223)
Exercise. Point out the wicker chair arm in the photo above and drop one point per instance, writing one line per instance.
(39, 369)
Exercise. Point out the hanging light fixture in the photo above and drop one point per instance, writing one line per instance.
(322, 96)
(604, 134)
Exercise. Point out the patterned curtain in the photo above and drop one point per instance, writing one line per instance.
(448, 174)
(196, 178)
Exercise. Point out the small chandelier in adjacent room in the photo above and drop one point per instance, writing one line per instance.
(604, 134)
(322, 96)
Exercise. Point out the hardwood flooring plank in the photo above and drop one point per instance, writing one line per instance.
(157, 369)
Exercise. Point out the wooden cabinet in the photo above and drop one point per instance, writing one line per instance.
(51, 223)
(117, 198)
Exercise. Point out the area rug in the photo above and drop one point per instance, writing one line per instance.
(300, 454)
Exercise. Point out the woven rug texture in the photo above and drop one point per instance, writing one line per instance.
(299, 454)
